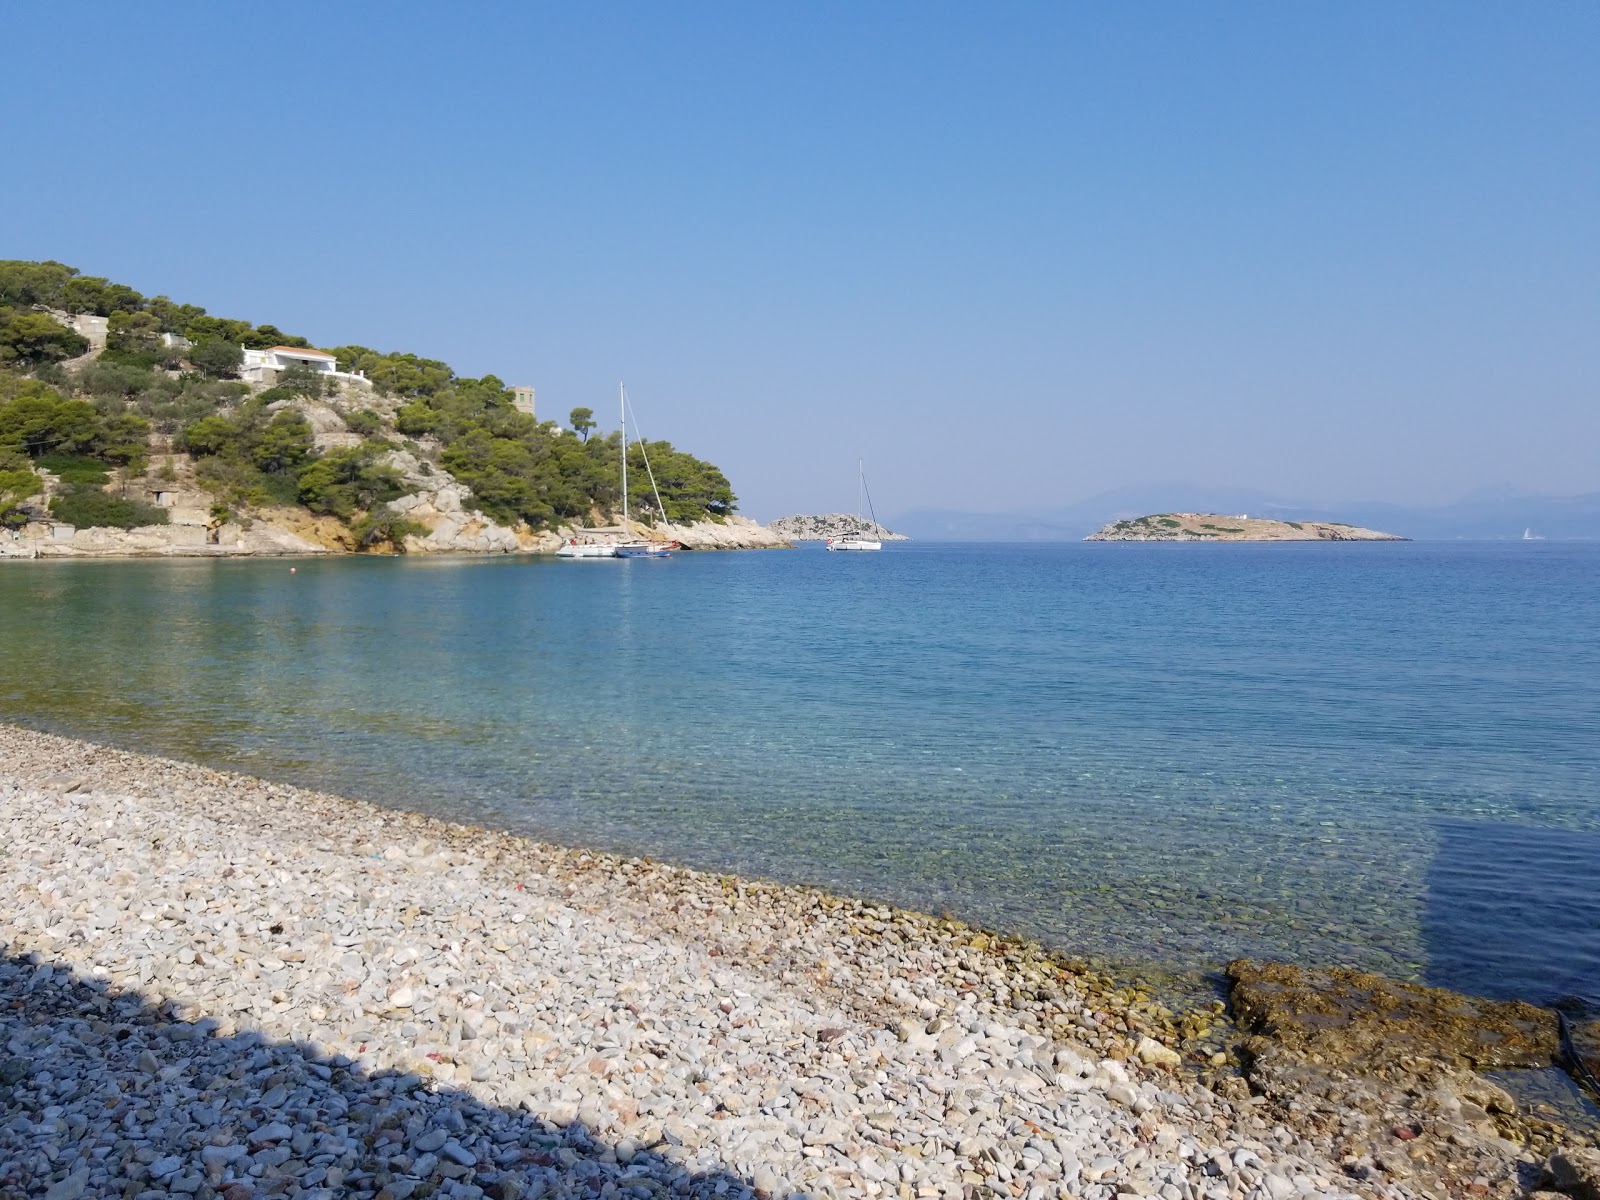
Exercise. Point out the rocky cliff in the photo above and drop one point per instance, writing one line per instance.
(1212, 527)
(802, 528)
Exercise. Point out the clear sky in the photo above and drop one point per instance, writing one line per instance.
(1010, 254)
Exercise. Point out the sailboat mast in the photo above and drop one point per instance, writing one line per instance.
(876, 528)
(622, 403)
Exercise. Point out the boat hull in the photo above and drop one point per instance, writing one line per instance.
(849, 543)
(586, 550)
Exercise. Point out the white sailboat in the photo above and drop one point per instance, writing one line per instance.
(858, 541)
(638, 547)
(631, 546)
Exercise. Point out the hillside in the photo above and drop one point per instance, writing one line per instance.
(1212, 527)
(801, 528)
(132, 424)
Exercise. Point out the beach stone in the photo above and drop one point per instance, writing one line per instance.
(275, 1131)
(1575, 1172)
(430, 1141)
(1153, 1052)
(70, 1188)
(458, 1154)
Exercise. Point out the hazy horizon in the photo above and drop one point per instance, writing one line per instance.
(1012, 257)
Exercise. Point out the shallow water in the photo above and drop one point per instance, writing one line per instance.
(1165, 755)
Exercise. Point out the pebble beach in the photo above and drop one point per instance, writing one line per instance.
(215, 985)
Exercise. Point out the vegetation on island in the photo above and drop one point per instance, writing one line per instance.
(167, 383)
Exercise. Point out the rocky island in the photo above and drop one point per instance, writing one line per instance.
(819, 528)
(1213, 527)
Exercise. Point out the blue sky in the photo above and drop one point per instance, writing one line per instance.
(1010, 254)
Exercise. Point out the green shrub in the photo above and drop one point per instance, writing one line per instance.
(30, 338)
(383, 524)
(74, 469)
(88, 507)
(365, 422)
(127, 356)
(217, 359)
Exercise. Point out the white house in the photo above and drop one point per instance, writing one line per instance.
(262, 366)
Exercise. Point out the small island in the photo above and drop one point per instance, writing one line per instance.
(1211, 527)
(819, 528)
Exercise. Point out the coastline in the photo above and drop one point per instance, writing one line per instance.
(292, 535)
(706, 1029)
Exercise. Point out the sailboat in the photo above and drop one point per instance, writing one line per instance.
(638, 547)
(634, 547)
(605, 548)
(857, 541)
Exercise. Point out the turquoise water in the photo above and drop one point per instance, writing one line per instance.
(1162, 755)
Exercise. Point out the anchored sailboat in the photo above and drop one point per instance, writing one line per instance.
(633, 546)
(858, 541)
(639, 547)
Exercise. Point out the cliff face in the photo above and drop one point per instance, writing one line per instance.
(801, 528)
(1213, 527)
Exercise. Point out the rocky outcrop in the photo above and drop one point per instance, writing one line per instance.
(802, 528)
(730, 533)
(328, 428)
(1395, 1067)
(1342, 1015)
(1212, 527)
(453, 528)
(234, 539)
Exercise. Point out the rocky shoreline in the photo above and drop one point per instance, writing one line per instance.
(215, 985)
(282, 533)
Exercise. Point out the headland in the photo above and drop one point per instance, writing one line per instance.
(132, 426)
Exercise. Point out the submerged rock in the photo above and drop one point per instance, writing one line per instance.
(1586, 1050)
(1339, 1015)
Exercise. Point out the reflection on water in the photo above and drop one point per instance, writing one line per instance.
(1163, 754)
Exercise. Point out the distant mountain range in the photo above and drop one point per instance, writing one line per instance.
(1492, 513)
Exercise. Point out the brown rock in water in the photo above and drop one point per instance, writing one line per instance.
(1586, 1045)
(1338, 1015)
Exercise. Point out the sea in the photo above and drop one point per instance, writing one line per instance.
(1157, 757)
